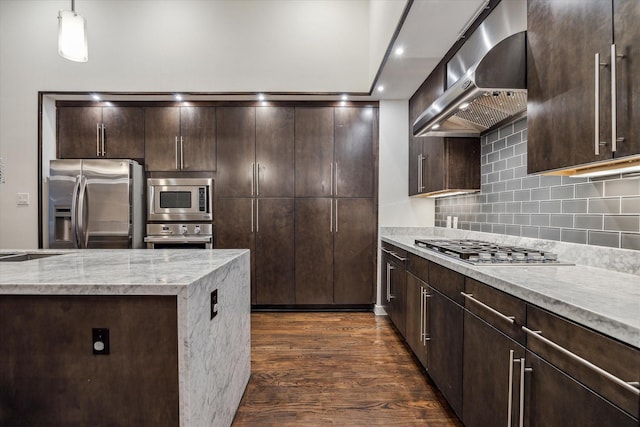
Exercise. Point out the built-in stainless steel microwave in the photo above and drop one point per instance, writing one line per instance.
(179, 199)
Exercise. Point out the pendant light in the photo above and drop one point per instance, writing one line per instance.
(72, 35)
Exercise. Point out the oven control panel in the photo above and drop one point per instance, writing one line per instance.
(177, 229)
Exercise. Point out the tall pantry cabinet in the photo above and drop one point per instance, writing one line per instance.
(335, 205)
(296, 185)
(254, 195)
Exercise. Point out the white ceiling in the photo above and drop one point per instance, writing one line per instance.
(430, 29)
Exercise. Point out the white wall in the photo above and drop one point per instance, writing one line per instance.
(396, 208)
(384, 17)
(166, 46)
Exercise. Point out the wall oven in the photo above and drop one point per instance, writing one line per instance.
(179, 213)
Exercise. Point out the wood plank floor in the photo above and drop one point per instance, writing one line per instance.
(343, 369)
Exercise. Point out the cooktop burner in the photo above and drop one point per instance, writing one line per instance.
(479, 252)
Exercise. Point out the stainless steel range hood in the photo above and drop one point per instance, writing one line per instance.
(486, 78)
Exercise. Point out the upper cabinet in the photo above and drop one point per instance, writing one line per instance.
(583, 71)
(180, 138)
(440, 164)
(100, 132)
(335, 151)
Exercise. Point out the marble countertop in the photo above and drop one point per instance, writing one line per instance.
(603, 300)
(111, 272)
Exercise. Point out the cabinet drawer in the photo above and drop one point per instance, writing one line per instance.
(446, 281)
(418, 266)
(394, 253)
(502, 311)
(619, 360)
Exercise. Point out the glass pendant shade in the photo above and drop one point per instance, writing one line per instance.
(72, 36)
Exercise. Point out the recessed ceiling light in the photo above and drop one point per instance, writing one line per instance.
(436, 126)
(345, 97)
(96, 97)
(399, 51)
(178, 97)
(343, 103)
(464, 106)
(381, 88)
(261, 97)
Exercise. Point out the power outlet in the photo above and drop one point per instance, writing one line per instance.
(100, 340)
(23, 199)
(214, 303)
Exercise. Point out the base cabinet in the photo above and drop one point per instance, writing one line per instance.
(554, 399)
(416, 325)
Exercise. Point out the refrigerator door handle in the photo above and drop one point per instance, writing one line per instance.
(74, 212)
(83, 235)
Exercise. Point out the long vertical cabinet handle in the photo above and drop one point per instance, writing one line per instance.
(181, 153)
(102, 128)
(422, 310)
(257, 179)
(97, 139)
(336, 180)
(257, 215)
(331, 179)
(596, 90)
(336, 227)
(388, 282)
(419, 173)
(427, 334)
(176, 145)
(331, 217)
(614, 100)
(252, 215)
(510, 388)
(253, 176)
(521, 411)
(391, 268)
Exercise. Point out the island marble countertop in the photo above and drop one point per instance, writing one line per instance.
(603, 300)
(110, 272)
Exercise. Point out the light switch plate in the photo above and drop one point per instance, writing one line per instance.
(23, 199)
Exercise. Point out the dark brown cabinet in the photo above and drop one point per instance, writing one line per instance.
(100, 132)
(439, 164)
(417, 315)
(335, 151)
(180, 138)
(334, 249)
(394, 285)
(570, 119)
(445, 333)
(491, 375)
(556, 347)
(255, 158)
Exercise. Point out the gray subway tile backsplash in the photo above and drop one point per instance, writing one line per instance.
(601, 212)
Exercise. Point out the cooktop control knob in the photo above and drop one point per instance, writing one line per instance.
(196, 229)
(183, 229)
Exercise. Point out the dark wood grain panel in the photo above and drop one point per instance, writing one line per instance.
(124, 132)
(447, 281)
(444, 349)
(415, 318)
(77, 132)
(562, 39)
(311, 369)
(626, 36)
(462, 163)
(275, 133)
(434, 164)
(49, 375)
(314, 251)
(354, 152)
(198, 132)
(314, 152)
(275, 252)
(418, 266)
(354, 251)
(554, 399)
(619, 359)
(236, 137)
(234, 229)
(161, 128)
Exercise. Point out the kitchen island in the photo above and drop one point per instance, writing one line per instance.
(178, 339)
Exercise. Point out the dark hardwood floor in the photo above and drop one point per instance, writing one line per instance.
(343, 369)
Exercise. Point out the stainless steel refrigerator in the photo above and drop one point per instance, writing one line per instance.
(96, 204)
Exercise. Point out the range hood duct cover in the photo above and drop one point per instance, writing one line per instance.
(489, 92)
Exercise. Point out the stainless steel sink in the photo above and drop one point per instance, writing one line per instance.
(25, 256)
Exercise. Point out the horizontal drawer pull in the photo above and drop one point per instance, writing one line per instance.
(509, 319)
(393, 254)
(626, 385)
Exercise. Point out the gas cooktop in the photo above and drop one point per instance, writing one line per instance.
(479, 252)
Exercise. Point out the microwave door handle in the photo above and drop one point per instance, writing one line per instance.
(82, 214)
(74, 212)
